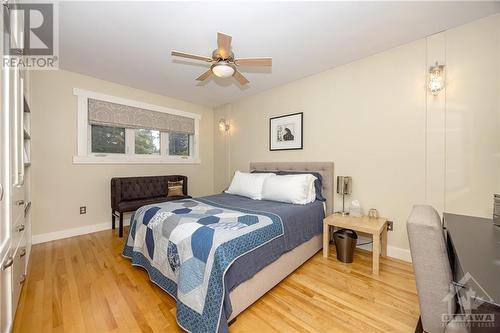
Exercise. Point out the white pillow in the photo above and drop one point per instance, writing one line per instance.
(248, 184)
(296, 189)
(312, 191)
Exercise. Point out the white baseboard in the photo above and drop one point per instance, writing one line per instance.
(398, 253)
(55, 235)
(392, 251)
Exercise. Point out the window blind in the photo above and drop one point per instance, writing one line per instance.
(118, 115)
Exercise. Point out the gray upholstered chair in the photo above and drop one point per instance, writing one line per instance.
(432, 269)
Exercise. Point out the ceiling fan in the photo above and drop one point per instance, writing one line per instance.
(223, 62)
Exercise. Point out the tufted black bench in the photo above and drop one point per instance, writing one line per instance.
(130, 193)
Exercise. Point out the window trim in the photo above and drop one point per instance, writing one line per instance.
(84, 156)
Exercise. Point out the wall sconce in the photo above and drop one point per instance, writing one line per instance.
(223, 125)
(436, 79)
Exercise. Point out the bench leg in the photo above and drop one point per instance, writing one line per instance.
(113, 219)
(120, 233)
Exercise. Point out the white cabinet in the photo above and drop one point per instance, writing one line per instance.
(15, 199)
(6, 292)
(18, 270)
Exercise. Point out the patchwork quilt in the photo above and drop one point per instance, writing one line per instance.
(187, 246)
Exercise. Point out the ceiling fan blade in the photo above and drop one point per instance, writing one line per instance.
(240, 78)
(191, 56)
(204, 76)
(224, 45)
(254, 62)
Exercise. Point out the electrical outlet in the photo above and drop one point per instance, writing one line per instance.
(83, 210)
(390, 226)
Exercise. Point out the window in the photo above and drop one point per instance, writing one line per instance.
(107, 139)
(115, 140)
(178, 144)
(147, 142)
(116, 130)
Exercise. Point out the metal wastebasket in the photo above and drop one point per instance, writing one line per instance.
(345, 241)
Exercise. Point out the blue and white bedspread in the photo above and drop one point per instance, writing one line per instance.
(187, 246)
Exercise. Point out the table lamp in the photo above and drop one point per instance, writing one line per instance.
(344, 187)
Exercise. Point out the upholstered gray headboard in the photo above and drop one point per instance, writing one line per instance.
(325, 169)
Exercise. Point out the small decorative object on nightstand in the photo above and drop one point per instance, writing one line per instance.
(344, 187)
(373, 213)
(377, 227)
(355, 209)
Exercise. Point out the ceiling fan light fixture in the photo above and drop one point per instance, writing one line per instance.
(222, 69)
(224, 64)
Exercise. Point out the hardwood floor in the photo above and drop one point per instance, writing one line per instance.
(83, 284)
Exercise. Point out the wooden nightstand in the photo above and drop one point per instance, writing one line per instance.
(377, 227)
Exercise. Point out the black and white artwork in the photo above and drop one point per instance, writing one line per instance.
(285, 132)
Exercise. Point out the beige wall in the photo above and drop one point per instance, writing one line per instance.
(472, 114)
(61, 187)
(221, 148)
(376, 121)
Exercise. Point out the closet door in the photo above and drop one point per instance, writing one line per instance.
(6, 253)
(17, 162)
(6, 250)
(11, 135)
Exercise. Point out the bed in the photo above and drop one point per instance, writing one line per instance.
(216, 255)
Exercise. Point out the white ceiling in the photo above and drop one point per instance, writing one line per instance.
(130, 42)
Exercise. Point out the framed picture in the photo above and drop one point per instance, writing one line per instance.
(285, 132)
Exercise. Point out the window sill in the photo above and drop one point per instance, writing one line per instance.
(133, 160)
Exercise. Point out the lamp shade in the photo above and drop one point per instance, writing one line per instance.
(344, 185)
(436, 79)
